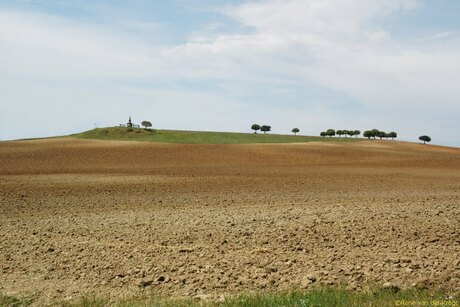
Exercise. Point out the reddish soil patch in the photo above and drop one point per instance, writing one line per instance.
(123, 218)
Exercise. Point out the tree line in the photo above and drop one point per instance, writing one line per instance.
(374, 133)
(333, 132)
(263, 128)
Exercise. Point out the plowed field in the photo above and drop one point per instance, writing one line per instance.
(114, 219)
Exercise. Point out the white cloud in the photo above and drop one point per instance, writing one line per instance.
(334, 44)
(49, 47)
(442, 35)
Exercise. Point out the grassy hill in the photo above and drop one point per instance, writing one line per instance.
(198, 137)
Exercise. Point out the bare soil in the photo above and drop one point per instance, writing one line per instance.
(117, 219)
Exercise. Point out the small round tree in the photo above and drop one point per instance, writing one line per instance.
(330, 132)
(375, 133)
(323, 134)
(255, 127)
(381, 134)
(392, 135)
(146, 124)
(350, 132)
(340, 133)
(356, 133)
(425, 138)
(265, 128)
(368, 134)
(295, 131)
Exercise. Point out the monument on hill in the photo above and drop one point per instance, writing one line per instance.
(130, 124)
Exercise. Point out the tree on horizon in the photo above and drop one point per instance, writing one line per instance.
(146, 124)
(255, 127)
(381, 134)
(368, 134)
(265, 128)
(392, 135)
(375, 133)
(330, 132)
(425, 138)
(295, 131)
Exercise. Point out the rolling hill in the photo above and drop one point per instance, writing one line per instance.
(199, 137)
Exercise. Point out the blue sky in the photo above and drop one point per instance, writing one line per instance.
(68, 66)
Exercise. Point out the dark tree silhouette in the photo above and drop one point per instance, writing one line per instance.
(146, 124)
(375, 133)
(340, 133)
(350, 132)
(330, 132)
(295, 131)
(265, 128)
(323, 134)
(368, 134)
(381, 134)
(392, 135)
(255, 127)
(356, 133)
(425, 138)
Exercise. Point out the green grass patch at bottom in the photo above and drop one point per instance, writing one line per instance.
(319, 297)
(12, 301)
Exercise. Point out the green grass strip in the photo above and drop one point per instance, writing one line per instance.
(199, 137)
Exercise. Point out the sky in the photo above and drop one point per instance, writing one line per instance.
(68, 66)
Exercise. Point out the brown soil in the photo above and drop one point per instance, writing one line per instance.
(117, 219)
